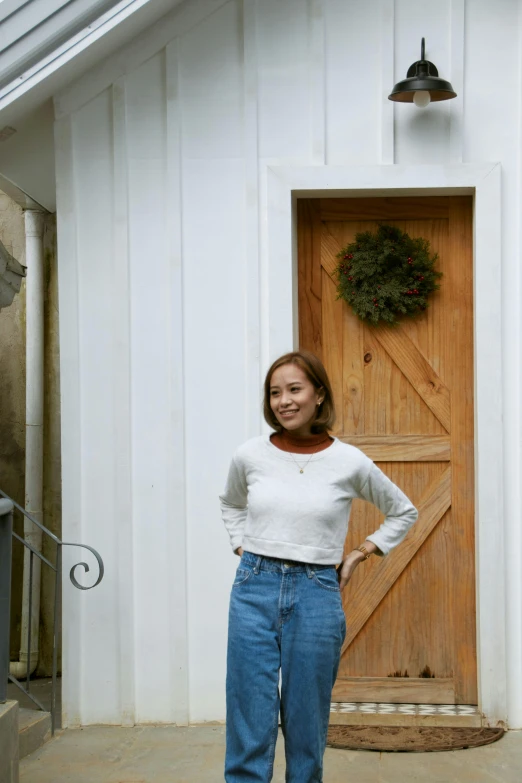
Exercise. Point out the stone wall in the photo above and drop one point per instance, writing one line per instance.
(52, 476)
(12, 399)
(12, 420)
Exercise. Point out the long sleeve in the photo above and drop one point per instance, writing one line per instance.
(234, 502)
(400, 513)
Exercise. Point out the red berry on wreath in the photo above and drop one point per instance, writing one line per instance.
(350, 278)
(346, 256)
(376, 305)
(353, 292)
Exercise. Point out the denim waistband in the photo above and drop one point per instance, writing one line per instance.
(265, 563)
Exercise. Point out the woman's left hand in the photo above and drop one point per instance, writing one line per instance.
(348, 566)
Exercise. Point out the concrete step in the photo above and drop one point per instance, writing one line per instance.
(9, 742)
(34, 728)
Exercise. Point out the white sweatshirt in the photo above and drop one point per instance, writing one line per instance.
(270, 508)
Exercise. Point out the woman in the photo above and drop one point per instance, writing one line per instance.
(286, 506)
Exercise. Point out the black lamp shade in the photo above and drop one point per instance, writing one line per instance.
(422, 75)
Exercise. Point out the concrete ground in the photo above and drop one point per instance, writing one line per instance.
(195, 755)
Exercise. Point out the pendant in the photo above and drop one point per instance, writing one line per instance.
(301, 471)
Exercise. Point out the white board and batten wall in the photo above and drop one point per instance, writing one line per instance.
(165, 293)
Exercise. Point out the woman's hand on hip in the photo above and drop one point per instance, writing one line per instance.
(239, 551)
(348, 566)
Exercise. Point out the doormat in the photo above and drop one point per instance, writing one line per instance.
(414, 739)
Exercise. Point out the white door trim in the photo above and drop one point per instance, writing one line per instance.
(280, 334)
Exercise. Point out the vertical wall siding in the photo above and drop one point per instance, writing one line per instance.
(285, 105)
(162, 205)
(148, 260)
(121, 394)
(492, 130)
(352, 76)
(283, 79)
(176, 454)
(213, 178)
(71, 425)
(422, 137)
(93, 153)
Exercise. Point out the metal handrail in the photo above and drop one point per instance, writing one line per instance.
(6, 536)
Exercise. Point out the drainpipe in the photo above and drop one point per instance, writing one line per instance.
(34, 406)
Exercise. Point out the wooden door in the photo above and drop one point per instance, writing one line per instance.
(405, 397)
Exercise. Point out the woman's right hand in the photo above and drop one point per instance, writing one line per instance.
(239, 551)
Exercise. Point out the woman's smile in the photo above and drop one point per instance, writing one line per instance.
(290, 385)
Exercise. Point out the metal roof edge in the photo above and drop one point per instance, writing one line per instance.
(67, 51)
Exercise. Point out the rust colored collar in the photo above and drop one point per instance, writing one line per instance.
(301, 445)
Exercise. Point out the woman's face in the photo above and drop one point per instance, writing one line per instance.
(294, 399)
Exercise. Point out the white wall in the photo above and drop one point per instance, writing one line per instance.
(161, 172)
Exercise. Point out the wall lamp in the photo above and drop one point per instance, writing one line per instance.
(422, 85)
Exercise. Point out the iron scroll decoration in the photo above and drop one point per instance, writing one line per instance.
(58, 571)
(86, 567)
(59, 545)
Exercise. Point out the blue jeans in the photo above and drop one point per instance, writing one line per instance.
(288, 618)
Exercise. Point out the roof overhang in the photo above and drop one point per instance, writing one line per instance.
(29, 88)
(43, 49)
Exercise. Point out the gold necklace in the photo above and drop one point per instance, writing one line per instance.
(301, 469)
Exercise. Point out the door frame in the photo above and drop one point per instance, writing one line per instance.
(280, 333)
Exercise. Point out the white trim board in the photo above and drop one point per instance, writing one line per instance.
(287, 183)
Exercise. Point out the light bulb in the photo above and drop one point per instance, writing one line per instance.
(421, 98)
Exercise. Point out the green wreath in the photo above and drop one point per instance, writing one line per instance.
(386, 275)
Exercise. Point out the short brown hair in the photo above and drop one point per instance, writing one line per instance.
(314, 370)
